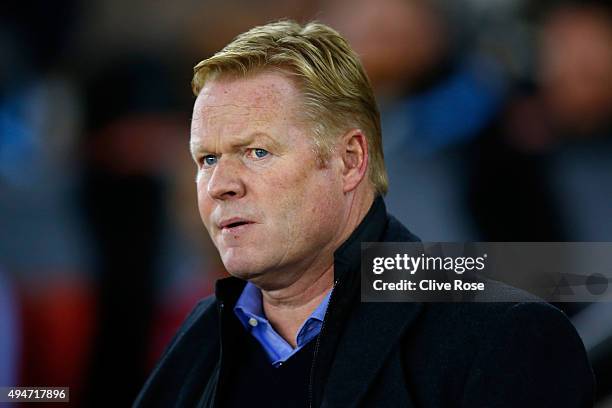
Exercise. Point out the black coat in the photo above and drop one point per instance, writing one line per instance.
(522, 354)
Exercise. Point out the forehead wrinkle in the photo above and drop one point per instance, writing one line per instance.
(214, 117)
(269, 98)
(208, 115)
(237, 141)
(233, 134)
(255, 92)
(266, 108)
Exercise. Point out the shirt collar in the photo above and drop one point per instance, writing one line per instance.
(250, 300)
(249, 311)
(250, 304)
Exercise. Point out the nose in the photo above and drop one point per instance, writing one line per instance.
(225, 183)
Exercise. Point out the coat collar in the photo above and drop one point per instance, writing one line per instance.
(359, 334)
(371, 229)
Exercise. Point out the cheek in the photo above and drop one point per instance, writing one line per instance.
(288, 202)
(204, 204)
(309, 205)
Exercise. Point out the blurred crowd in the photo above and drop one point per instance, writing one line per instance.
(497, 126)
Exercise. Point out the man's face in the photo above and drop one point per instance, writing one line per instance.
(271, 209)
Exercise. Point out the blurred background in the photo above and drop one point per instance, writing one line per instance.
(497, 124)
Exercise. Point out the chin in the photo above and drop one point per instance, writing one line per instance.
(240, 267)
(244, 275)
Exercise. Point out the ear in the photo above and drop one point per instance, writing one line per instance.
(355, 158)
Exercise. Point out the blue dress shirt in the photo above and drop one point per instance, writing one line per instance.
(249, 311)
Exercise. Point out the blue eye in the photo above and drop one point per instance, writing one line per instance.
(259, 153)
(210, 160)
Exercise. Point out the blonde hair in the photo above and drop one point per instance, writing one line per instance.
(337, 93)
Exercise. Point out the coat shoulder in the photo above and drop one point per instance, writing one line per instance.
(524, 354)
(189, 357)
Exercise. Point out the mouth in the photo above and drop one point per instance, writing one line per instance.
(234, 224)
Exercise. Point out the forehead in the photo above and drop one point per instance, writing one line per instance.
(266, 98)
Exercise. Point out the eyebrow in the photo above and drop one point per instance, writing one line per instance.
(196, 147)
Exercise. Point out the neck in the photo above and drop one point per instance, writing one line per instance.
(288, 307)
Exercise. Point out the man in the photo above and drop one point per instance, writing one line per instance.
(290, 174)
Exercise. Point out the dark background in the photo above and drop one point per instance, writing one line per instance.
(497, 127)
